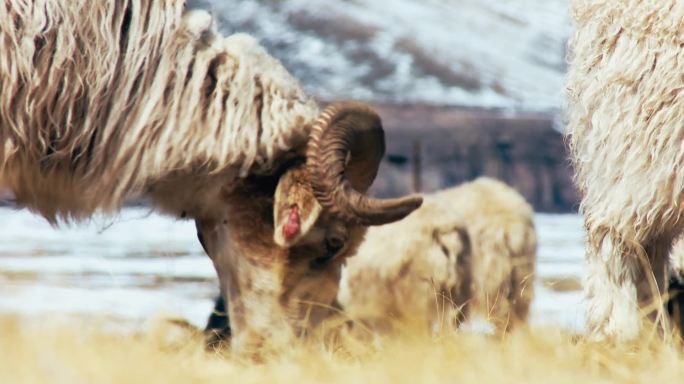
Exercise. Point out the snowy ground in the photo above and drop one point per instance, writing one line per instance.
(140, 265)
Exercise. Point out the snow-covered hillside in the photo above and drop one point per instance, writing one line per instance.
(490, 53)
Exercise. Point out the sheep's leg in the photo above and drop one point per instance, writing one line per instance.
(462, 292)
(522, 288)
(217, 330)
(675, 303)
(652, 284)
(675, 289)
(624, 286)
(460, 309)
(499, 308)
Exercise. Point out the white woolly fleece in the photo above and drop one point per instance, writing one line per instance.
(625, 131)
(102, 100)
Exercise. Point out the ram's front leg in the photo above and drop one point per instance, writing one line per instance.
(217, 331)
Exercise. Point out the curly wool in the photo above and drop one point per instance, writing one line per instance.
(625, 133)
(102, 100)
(625, 106)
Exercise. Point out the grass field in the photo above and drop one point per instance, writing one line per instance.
(146, 265)
(167, 353)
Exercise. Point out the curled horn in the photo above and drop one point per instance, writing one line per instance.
(344, 152)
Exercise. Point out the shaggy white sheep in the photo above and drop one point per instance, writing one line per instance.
(625, 131)
(471, 248)
(106, 100)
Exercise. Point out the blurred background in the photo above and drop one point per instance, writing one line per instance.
(465, 88)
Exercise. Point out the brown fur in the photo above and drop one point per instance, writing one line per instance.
(275, 292)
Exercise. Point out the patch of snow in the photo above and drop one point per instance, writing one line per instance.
(140, 265)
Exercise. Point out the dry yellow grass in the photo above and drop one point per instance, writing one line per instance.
(169, 354)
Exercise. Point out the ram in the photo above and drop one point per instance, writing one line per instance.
(468, 250)
(104, 101)
(624, 91)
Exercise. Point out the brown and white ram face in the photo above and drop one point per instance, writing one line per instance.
(280, 247)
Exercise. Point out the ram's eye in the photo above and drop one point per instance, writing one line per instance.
(333, 244)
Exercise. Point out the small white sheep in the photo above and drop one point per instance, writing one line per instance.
(471, 248)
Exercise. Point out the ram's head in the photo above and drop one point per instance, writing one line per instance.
(280, 269)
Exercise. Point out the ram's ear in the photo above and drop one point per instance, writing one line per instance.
(295, 208)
